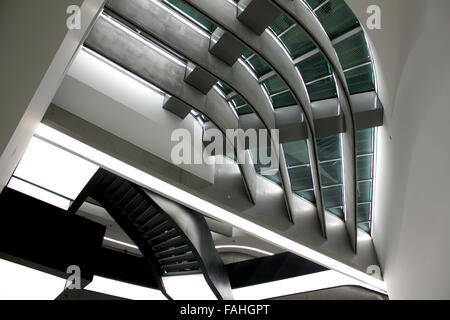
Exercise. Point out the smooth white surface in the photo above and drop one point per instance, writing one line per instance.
(310, 282)
(105, 95)
(123, 290)
(411, 218)
(39, 193)
(188, 287)
(202, 206)
(22, 283)
(54, 169)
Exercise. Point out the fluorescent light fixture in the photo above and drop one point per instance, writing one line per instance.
(191, 201)
(306, 283)
(22, 283)
(39, 193)
(54, 169)
(226, 248)
(188, 287)
(182, 18)
(143, 40)
(120, 243)
(123, 70)
(124, 290)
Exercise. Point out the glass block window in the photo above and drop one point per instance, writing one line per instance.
(314, 68)
(224, 88)
(330, 162)
(258, 65)
(353, 51)
(313, 4)
(364, 172)
(299, 168)
(336, 18)
(281, 24)
(296, 42)
(241, 106)
(322, 89)
(279, 93)
(274, 85)
(191, 14)
(360, 79)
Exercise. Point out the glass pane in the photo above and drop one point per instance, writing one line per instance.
(360, 79)
(247, 54)
(259, 65)
(364, 191)
(237, 101)
(297, 42)
(275, 178)
(353, 51)
(281, 24)
(337, 212)
(331, 173)
(332, 197)
(192, 14)
(296, 153)
(307, 195)
(246, 109)
(314, 68)
(284, 99)
(364, 226)
(257, 160)
(274, 85)
(364, 141)
(364, 168)
(314, 3)
(322, 90)
(364, 212)
(225, 89)
(336, 18)
(301, 178)
(329, 148)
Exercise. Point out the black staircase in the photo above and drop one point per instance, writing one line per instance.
(173, 239)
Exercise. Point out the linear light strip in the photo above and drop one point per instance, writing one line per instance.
(247, 248)
(189, 200)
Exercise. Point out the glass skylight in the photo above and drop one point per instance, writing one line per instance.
(191, 14)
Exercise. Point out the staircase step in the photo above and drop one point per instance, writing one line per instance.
(181, 273)
(130, 206)
(183, 257)
(120, 192)
(156, 220)
(139, 210)
(106, 182)
(164, 236)
(126, 198)
(145, 216)
(113, 187)
(159, 229)
(182, 267)
(173, 251)
(173, 242)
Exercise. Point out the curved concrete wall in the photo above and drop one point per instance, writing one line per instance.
(411, 218)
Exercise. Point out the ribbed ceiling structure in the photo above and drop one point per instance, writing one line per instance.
(302, 67)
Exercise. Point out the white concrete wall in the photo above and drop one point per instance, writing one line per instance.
(36, 49)
(412, 213)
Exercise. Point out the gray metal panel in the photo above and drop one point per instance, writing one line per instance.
(199, 78)
(176, 106)
(226, 47)
(257, 14)
(291, 124)
(222, 13)
(327, 118)
(368, 110)
(193, 45)
(159, 70)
